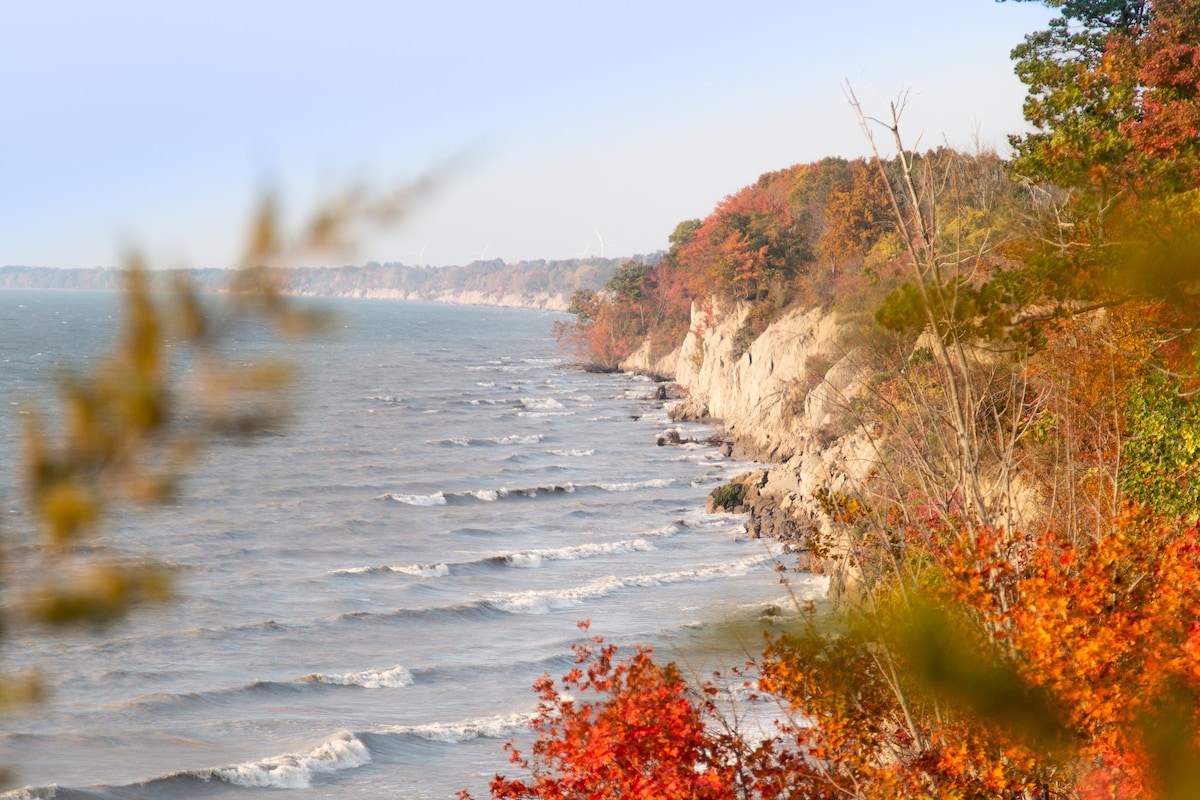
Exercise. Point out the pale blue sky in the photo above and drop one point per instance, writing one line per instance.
(156, 124)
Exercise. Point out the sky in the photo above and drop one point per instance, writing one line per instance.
(554, 129)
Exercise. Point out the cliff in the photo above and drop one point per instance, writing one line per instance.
(784, 399)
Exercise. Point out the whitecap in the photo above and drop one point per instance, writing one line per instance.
(418, 570)
(353, 571)
(393, 677)
(803, 588)
(656, 483)
(460, 441)
(741, 567)
(577, 453)
(708, 522)
(31, 793)
(534, 558)
(294, 770)
(517, 439)
(540, 402)
(423, 570)
(497, 727)
(545, 601)
(436, 499)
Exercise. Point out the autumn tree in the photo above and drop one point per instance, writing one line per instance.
(621, 728)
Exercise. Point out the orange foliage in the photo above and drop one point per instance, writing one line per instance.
(1108, 630)
(645, 739)
(1029, 667)
(770, 233)
(1083, 370)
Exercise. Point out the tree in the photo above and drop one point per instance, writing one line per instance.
(644, 736)
(1079, 96)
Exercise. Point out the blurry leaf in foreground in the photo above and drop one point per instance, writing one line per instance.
(953, 662)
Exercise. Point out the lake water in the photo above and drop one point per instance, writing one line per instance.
(367, 599)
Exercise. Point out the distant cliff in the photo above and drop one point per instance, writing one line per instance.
(532, 284)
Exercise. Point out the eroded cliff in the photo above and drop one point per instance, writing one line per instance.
(784, 398)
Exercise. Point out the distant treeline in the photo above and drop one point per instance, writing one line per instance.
(494, 278)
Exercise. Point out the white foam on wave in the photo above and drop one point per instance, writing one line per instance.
(540, 403)
(460, 441)
(712, 522)
(534, 491)
(435, 499)
(692, 457)
(294, 770)
(489, 495)
(423, 570)
(417, 570)
(354, 571)
(521, 413)
(803, 589)
(656, 483)
(31, 793)
(534, 558)
(577, 453)
(740, 567)
(545, 601)
(517, 439)
(497, 727)
(393, 677)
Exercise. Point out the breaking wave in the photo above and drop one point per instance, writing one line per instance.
(497, 727)
(546, 601)
(487, 440)
(416, 570)
(393, 677)
(522, 558)
(292, 771)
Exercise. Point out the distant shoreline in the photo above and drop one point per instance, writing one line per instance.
(546, 285)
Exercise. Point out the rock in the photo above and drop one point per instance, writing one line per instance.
(782, 400)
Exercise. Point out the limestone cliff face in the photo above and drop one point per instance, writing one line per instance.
(784, 399)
